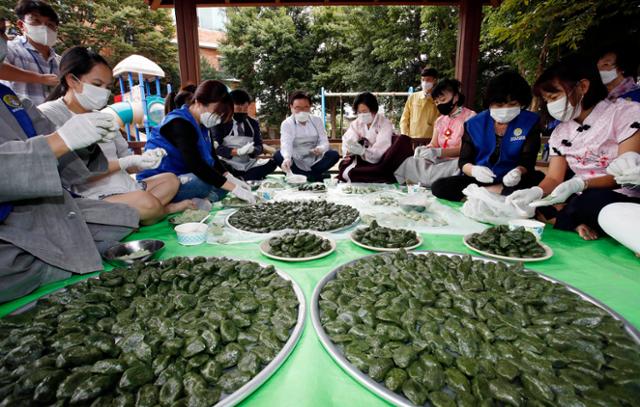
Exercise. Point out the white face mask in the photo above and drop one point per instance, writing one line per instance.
(366, 118)
(562, 110)
(504, 114)
(209, 119)
(42, 34)
(92, 97)
(609, 76)
(426, 86)
(302, 117)
(3, 50)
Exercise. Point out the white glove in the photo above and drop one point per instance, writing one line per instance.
(355, 148)
(482, 174)
(83, 130)
(246, 149)
(512, 178)
(524, 197)
(561, 193)
(428, 153)
(286, 165)
(229, 176)
(149, 160)
(243, 194)
(626, 168)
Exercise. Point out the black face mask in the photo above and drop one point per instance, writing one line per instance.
(445, 108)
(239, 117)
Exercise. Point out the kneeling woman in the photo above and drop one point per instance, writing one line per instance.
(184, 135)
(85, 78)
(500, 145)
(440, 158)
(592, 133)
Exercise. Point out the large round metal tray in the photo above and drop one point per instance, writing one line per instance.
(227, 223)
(228, 400)
(381, 390)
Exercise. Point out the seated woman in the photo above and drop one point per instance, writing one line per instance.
(85, 78)
(618, 72)
(500, 145)
(184, 135)
(592, 133)
(366, 141)
(45, 234)
(240, 142)
(304, 145)
(440, 158)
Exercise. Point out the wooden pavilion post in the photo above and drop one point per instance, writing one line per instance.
(188, 48)
(468, 50)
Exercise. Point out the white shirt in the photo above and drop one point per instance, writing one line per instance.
(377, 136)
(290, 128)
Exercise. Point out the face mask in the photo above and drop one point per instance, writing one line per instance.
(426, 86)
(239, 117)
(609, 76)
(504, 114)
(42, 34)
(445, 108)
(302, 117)
(209, 119)
(92, 97)
(3, 50)
(366, 118)
(563, 111)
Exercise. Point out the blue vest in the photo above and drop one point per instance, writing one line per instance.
(173, 161)
(633, 95)
(12, 102)
(483, 134)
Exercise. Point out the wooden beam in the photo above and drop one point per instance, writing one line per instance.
(280, 3)
(154, 4)
(468, 50)
(188, 48)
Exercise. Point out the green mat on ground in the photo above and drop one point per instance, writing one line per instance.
(603, 269)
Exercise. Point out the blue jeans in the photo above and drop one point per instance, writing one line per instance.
(318, 170)
(193, 187)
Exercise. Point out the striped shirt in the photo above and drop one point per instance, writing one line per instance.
(22, 54)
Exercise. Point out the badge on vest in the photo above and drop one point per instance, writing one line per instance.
(517, 135)
(12, 101)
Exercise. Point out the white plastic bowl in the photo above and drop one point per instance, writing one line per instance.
(530, 225)
(191, 234)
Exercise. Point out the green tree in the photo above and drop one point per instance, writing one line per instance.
(208, 71)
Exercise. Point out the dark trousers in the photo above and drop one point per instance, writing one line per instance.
(318, 171)
(255, 173)
(450, 188)
(584, 209)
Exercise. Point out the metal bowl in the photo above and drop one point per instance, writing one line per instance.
(115, 253)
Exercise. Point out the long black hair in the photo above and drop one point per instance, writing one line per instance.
(207, 92)
(77, 61)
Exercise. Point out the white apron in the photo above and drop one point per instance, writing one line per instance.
(236, 140)
(302, 156)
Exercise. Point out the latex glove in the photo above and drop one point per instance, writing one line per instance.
(512, 178)
(83, 130)
(149, 160)
(286, 165)
(246, 149)
(243, 194)
(626, 168)
(229, 176)
(561, 193)
(355, 148)
(524, 197)
(428, 153)
(482, 174)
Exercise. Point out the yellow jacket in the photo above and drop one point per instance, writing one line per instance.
(419, 116)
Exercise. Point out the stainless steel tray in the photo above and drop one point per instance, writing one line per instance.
(341, 229)
(378, 388)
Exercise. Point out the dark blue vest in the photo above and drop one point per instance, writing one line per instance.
(12, 102)
(173, 161)
(633, 95)
(483, 134)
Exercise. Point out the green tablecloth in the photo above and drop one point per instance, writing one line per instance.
(603, 269)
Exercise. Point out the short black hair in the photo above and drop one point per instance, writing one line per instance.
(626, 60)
(451, 85)
(298, 94)
(567, 73)
(506, 87)
(429, 72)
(25, 7)
(368, 99)
(240, 96)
